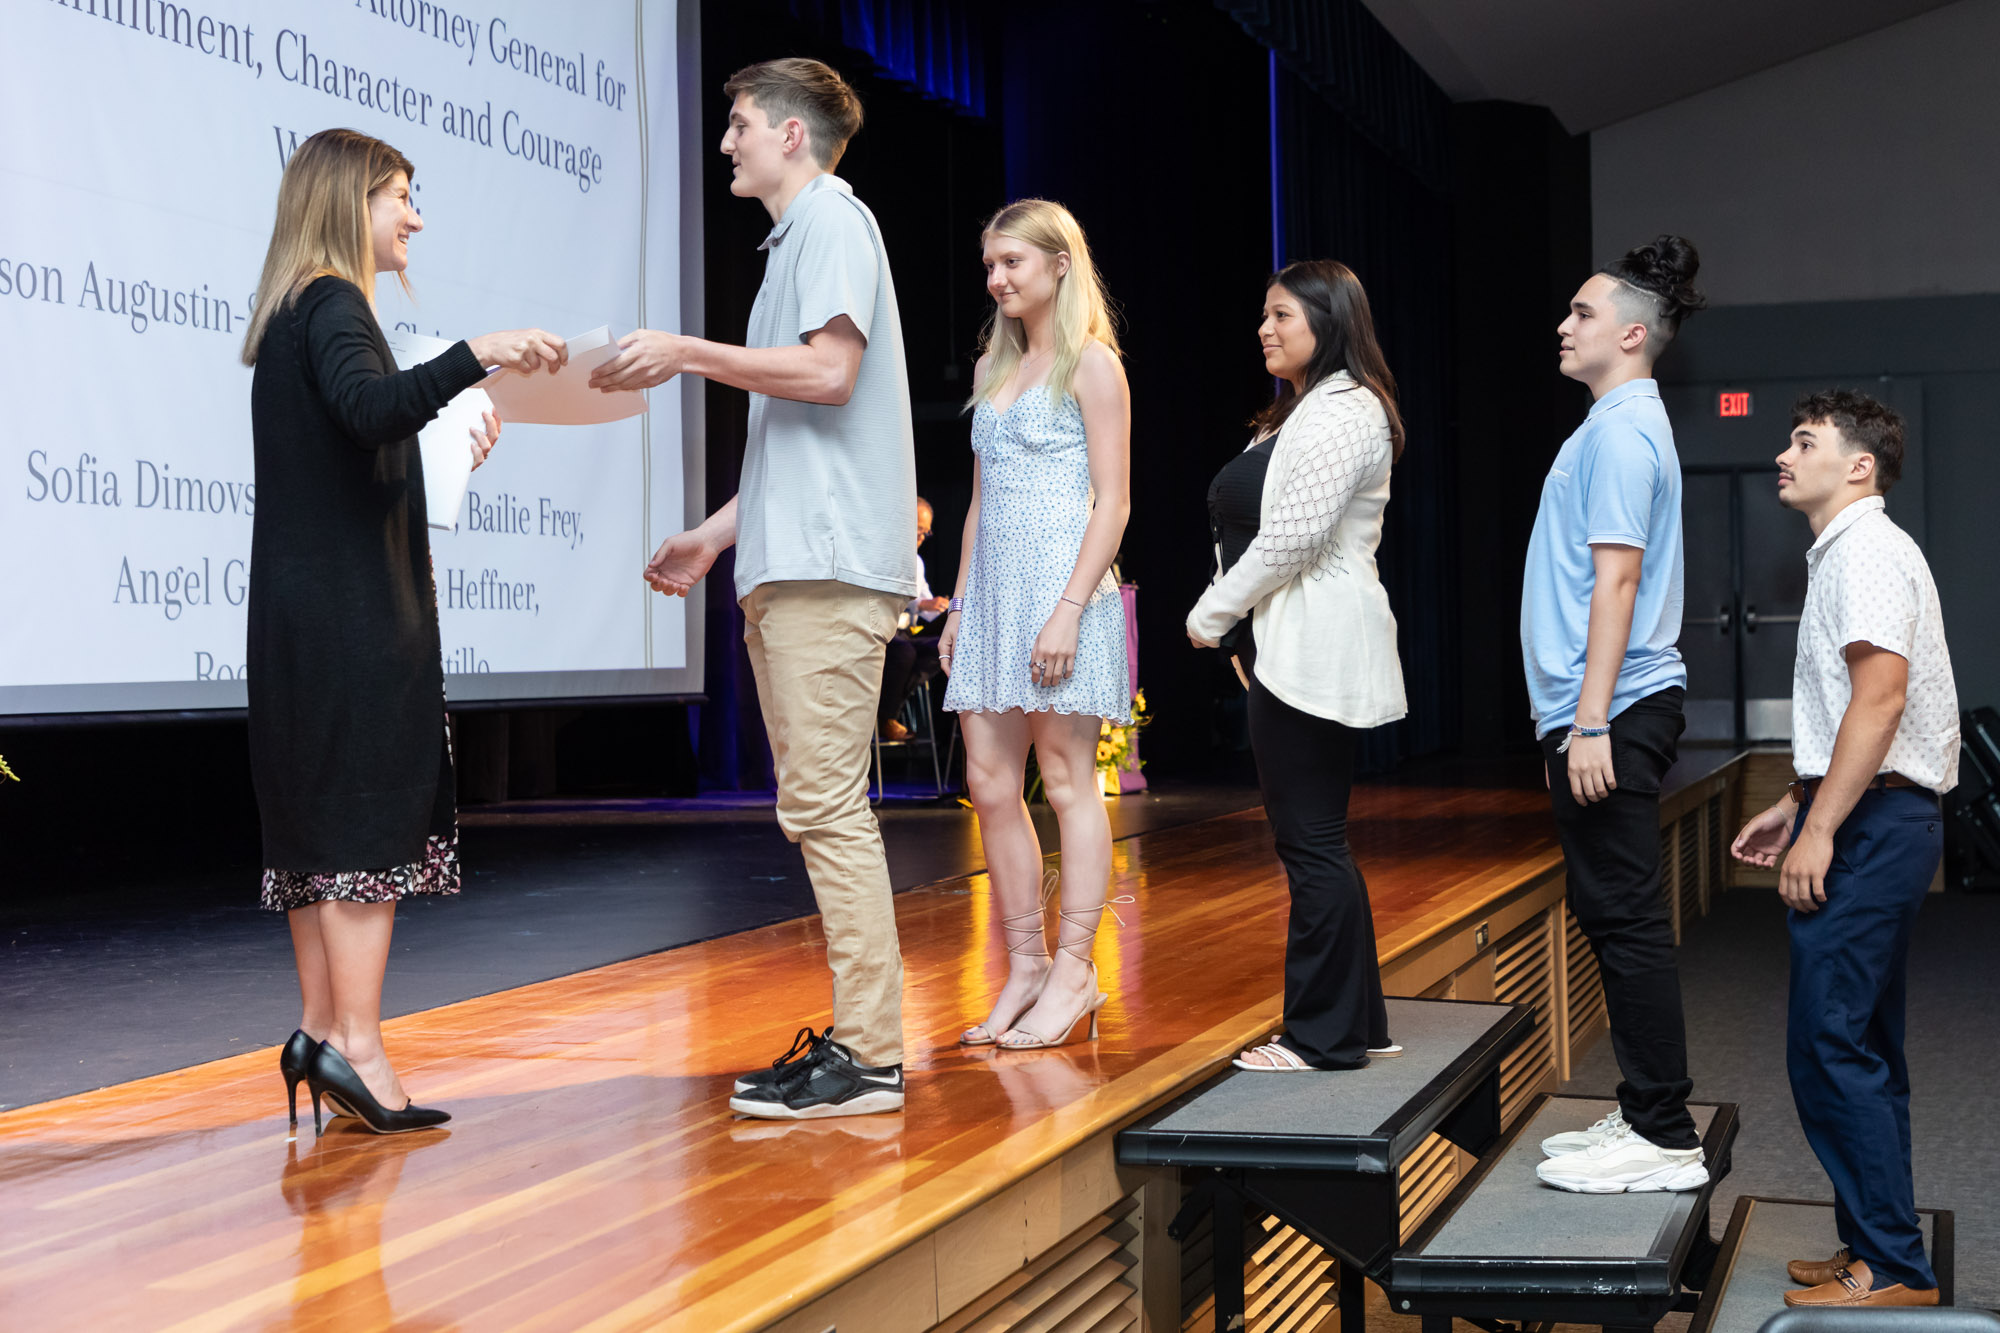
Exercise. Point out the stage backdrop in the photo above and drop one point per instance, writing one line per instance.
(138, 178)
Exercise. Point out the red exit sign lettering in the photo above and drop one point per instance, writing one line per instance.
(1736, 404)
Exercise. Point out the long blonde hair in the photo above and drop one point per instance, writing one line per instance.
(1082, 313)
(322, 225)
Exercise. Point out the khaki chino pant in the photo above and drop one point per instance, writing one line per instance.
(816, 648)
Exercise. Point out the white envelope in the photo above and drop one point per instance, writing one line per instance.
(446, 444)
(566, 398)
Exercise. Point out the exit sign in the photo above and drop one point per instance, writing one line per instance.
(1735, 404)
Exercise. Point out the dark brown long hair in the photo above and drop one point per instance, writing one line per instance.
(1336, 309)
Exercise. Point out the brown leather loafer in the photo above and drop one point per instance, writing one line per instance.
(1812, 1272)
(1855, 1285)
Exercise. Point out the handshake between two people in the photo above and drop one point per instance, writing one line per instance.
(520, 352)
(822, 369)
(646, 359)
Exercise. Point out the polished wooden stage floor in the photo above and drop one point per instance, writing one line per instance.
(593, 1177)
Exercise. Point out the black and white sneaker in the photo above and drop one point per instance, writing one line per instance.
(805, 1050)
(831, 1084)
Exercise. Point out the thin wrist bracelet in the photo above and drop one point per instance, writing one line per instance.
(1072, 601)
(1584, 732)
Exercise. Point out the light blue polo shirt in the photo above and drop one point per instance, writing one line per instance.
(829, 492)
(1616, 480)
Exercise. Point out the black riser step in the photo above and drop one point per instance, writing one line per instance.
(1363, 1121)
(1506, 1246)
(1324, 1150)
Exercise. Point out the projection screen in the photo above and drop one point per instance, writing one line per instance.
(556, 175)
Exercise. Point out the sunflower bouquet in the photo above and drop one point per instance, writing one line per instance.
(1115, 745)
(1114, 754)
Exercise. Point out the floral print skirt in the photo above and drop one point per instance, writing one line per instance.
(435, 872)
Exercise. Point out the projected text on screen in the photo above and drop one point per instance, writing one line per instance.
(133, 224)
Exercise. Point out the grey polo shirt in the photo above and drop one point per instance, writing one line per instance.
(829, 492)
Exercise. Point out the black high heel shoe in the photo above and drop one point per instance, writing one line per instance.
(329, 1075)
(293, 1058)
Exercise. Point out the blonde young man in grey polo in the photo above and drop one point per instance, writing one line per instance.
(821, 524)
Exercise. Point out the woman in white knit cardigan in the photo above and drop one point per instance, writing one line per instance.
(1296, 519)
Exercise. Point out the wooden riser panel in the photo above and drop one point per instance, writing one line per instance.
(1585, 988)
(1078, 1285)
(1289, 1283)
(1524, 972)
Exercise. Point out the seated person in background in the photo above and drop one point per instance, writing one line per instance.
(912, 656)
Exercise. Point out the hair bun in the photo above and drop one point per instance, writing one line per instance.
(1665, 266)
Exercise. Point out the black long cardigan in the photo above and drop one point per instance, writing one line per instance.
(346, 686)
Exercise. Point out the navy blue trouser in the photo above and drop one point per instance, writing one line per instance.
(1844, 1034)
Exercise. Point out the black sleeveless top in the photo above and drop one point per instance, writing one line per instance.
(1235, 509)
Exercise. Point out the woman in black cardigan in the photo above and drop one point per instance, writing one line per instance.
(348, 751)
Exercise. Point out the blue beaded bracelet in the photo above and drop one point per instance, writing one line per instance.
(1585, 732)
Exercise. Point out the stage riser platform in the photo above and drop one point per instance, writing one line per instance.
(592, 1177)
(1750, 1281)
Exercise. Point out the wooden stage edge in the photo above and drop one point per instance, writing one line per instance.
(593, 1177)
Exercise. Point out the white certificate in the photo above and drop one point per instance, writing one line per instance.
(566, 398)
(446, 444)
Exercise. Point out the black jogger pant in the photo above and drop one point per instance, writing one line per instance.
(1611, 852)
(1333, 981)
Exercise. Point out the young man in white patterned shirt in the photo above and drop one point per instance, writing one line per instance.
(1875, 743)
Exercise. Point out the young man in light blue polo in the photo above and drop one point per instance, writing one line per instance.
(1600, 617)
(821, 523)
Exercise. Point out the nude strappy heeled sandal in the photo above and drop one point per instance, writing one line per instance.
(1037, 946)
(1095, 998)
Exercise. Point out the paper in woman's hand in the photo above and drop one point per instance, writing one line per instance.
(446, 444)
(565, 398)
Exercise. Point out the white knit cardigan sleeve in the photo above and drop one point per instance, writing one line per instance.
(1327, 448)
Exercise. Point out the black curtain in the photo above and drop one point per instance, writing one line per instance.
(935, 48)
(1362, 139)
(930, 170)
(1147, 119)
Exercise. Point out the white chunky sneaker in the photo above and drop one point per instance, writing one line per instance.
(1625, 1163)
(1555, 1145)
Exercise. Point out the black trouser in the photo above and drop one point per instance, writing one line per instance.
(1333, 980)
(906, 662)
(1611, 851)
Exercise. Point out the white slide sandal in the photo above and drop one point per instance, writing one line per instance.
(1280, 1060)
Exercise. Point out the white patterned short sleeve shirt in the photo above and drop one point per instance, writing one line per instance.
(1866, 582)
